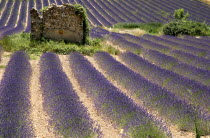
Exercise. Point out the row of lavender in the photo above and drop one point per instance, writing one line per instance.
(15, 98)
(101, 13)
(177, 99)
(13, 20)
(67, 114)
(167, 57)
(189, 111)
(112, 104)
(178, 106)
(184, 56)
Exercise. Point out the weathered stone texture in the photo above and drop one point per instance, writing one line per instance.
(36, 25)
(58, 23)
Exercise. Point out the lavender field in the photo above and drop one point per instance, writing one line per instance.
(156, 87)
(14, 16)
(149, 89)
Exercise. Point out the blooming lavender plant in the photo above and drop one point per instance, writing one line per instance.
(168, 104)
(61, 102)
(15, 98)
(111, 102)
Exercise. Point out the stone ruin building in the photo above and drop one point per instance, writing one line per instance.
(61, 22)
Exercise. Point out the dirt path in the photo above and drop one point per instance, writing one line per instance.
(176, 133)
(38, 116)
(107, 129)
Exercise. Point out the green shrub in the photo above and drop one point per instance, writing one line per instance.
(186, 28)
(179, 15)
(181, 26)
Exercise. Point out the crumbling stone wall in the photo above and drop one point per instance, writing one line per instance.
(36, 25)
(58, 23)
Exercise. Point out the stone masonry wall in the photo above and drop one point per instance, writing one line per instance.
(36, 25)
(57, 23)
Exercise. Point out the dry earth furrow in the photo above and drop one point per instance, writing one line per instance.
(39, 117)
(107, 129)
(176, 133)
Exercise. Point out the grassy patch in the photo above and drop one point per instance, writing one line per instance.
(22, 42)
(34, 56)
(151, 28)
(146, 131)
(133, 31)
(2, 66)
